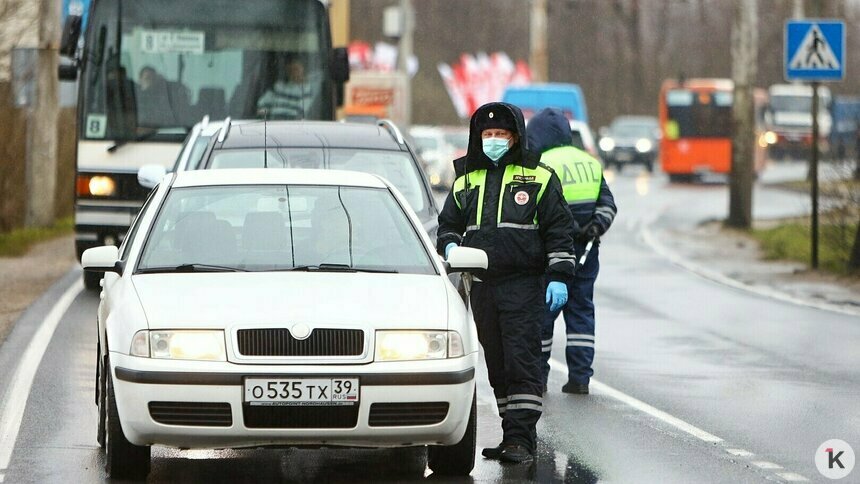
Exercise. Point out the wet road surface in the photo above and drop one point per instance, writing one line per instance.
(695, 382)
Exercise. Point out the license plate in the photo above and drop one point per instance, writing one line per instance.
(622, 156)
(301, 391)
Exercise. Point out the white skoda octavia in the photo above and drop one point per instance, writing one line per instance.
(250, 308)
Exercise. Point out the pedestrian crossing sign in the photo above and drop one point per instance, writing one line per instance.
(814, 50)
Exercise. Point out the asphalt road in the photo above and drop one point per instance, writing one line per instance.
(694, 382)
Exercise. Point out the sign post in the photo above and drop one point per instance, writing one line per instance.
(814, 52)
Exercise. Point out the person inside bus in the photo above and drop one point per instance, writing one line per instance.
(161, 103)
(292, 96)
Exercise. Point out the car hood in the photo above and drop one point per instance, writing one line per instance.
(214, 300)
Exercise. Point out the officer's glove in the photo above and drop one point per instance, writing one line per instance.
(448, 248)
(556, 295)
(590, 231)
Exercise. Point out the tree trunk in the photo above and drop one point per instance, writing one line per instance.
(854, 261)
(744, 49)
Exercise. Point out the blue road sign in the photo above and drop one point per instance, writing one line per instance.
(814, 50)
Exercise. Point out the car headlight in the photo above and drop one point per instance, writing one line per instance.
(607, 144)
(418, 345)
(644, 145)
(770, 138)
(180, 345)
(102, 186)
(435, 179)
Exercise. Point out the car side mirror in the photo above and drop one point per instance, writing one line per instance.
(340, 65)
(67, 72)
(150, 176)
(71, 35)
(102, 259)
(465, 259)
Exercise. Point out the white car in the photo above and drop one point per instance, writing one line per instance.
(272, 307)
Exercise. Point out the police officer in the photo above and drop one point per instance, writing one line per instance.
(593, 208)
(507, 203)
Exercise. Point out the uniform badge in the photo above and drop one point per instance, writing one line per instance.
(521, 198)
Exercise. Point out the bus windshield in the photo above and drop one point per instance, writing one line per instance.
(152, 69)
(703, 114)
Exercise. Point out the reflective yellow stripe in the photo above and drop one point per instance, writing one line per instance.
(477, 179)
(579, 172)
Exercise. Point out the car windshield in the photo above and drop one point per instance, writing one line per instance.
(283, 227)
(632, 130)
(395, 166)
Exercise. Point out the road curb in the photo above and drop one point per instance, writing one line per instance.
(654, 243)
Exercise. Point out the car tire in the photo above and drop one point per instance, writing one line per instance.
(101, 399)
(123, 460)
(92, 280)
(457, 459)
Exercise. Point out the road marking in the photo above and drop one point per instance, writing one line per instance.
(22, 380)
(2, 477)
(643, 407)
(717, 277)
(740, 452)
(791, 477)
(766, 465)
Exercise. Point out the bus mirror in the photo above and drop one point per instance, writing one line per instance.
(67, 72)
(71, 34)
(340, 65)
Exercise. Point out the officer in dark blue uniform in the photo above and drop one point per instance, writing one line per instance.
(593, 208)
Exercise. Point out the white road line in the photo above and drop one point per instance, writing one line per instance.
(717, 277)
(15, 399)
(791, 477)
(2, 477)
(740, 452)
(766, 465)
(642, 406)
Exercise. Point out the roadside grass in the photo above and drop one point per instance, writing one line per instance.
(792, 241)
(18, 241)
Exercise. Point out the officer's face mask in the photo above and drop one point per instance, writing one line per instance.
(495, 148)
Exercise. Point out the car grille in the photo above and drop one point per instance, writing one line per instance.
(405, 414)
(199, 414)
(299, 417)
(321, 342)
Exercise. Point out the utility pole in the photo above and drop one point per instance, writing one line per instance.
(41, 171)
(407, 13)
(744, 60)
(538, 57)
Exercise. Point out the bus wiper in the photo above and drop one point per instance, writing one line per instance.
(143, 137)
(191, 268)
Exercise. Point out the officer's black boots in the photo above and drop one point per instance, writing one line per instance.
(575, 388)
(493, 452)
(516, 454)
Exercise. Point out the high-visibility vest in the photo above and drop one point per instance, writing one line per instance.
(521, 187)
(580, 173)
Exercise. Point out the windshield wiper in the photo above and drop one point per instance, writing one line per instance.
(191, 268)
(143, 137)
(334, 268)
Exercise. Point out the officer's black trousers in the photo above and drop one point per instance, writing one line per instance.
(508, 315)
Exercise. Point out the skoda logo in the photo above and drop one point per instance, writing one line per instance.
(300, 331)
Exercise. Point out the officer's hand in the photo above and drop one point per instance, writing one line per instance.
(556, 295)
(591, 231)
(448, 249)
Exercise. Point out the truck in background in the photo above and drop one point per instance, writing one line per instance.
(532, 98)
(788, 121)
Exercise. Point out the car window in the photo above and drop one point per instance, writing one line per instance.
(272, 227)
(395, 166)
(129, 238)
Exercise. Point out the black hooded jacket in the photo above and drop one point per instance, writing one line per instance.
(514, 243)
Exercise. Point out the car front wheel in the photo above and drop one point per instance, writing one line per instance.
(122, 458)
(457, 459)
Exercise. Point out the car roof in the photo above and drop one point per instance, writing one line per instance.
(276, 176)
(311, 134)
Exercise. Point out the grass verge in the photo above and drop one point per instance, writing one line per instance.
(792, 241)
(18, 241)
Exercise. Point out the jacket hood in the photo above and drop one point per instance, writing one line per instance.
(476, 159)
(549, 129)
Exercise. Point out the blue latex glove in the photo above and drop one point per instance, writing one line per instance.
(448, 249)
(556, 295)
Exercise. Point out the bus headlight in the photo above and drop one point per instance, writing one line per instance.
(607, 144)
(102, 186)
(644, 145)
